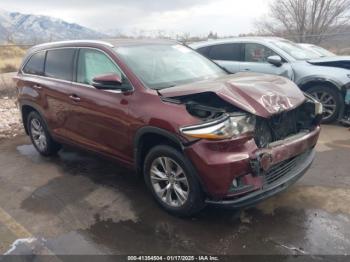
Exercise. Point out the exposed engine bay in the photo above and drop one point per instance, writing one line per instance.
(208, 106)
(285, 124)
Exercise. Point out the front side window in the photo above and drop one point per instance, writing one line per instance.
(35, 65)
(166, 65)
(92, 63)
(59, 63)
(226, 52)
(257, 53)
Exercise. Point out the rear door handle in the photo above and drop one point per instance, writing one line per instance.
(74, 97)
(246, 69)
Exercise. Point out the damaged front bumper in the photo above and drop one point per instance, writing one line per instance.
(262, 172)
(287, 180)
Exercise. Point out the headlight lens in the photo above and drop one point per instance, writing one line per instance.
(226, 128)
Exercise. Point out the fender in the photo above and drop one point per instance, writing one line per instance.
(162, 132)
(152, 130)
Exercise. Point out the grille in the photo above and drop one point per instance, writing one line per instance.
(283, 169)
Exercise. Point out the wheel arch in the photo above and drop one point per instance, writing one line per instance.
(26, 109)
(308, 83)
(148, 137)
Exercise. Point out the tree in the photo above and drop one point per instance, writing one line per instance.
(305, 20)
(212, 35)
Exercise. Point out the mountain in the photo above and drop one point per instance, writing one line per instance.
(26, 28)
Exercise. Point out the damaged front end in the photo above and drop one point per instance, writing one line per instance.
(248, 153)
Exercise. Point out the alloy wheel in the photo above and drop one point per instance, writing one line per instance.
(169, 181)
(328, 102)
(38, 134)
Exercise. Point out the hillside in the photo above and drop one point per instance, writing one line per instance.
(27, 28)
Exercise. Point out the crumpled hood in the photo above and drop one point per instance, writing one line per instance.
(259, 94)
(333, 61)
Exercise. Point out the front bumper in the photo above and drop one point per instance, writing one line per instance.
(266, 192)
(218, 163)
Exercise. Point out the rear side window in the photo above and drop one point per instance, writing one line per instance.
(59, 63)
(35, 64)
(228, 52)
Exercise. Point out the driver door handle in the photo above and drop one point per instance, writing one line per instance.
(74, 97)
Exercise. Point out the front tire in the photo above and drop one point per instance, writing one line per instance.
(40, 135)
(331, 101)
(172, 181)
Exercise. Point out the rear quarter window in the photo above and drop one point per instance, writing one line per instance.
(35, 64)
(59, 63)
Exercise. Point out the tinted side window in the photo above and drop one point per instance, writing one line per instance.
(92, 63)
(228, 52)
(257, 53)
(35, 65)
(59, 63)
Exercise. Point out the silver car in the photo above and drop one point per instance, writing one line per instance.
(327, 79)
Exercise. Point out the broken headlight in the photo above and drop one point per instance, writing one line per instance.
(226, 127)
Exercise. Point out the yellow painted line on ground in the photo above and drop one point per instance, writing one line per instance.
(17, 229)
(20, 231)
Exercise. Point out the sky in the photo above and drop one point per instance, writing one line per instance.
(196, 17)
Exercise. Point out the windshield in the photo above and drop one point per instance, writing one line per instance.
(295, 50)
(163, 65)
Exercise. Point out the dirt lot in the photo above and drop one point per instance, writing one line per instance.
(78, 203)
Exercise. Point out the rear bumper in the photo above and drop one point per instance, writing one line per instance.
(266, 192)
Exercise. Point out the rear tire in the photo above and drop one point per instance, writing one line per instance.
(40, 136)
(331, 100)
(172, 180)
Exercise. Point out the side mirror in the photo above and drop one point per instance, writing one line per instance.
(109, 82)
(275, 60)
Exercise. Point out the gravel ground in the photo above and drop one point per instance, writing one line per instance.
(10, 118)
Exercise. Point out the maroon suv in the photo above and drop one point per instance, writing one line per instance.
(197, 134)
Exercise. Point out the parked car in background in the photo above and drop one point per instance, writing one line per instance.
(322, 52)
(327, 79)
(196, 133)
